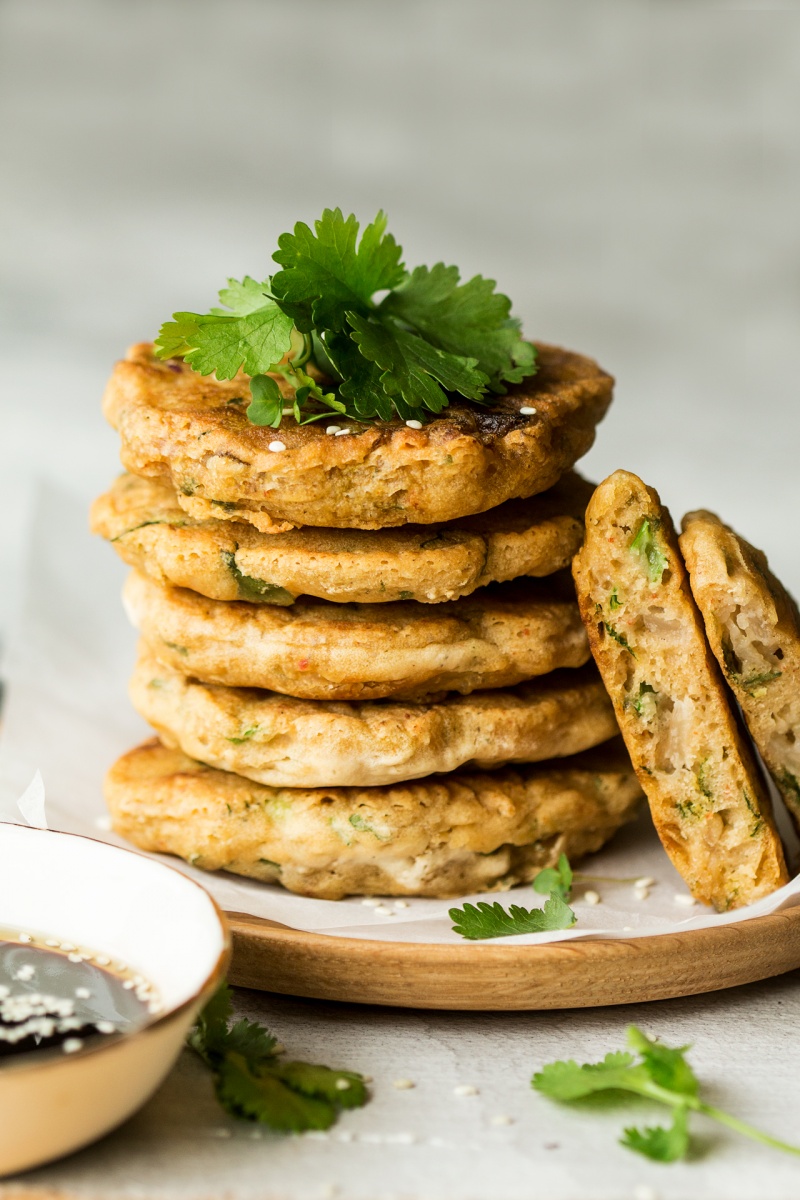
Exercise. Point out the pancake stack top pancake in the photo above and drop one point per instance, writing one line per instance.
(349, 520)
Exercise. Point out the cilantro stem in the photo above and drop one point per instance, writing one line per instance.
(742, 1127)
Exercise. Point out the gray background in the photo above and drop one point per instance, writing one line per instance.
(630, 174)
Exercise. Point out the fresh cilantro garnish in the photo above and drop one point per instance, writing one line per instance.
(492, 920)
(661, 1074)
(556, 879)
(646, 545)
(427, 338)
(252, 1082)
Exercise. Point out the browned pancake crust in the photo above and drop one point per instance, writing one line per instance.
(227, 560)
(447, 835)
(316, 650)
(179, 426)
(707, 796)
(753, 626)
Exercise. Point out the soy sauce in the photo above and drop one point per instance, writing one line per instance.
(60, 997)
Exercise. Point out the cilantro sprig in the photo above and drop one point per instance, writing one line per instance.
(661, 1073)
(427, 338)
(252, 1082)
(481, 921)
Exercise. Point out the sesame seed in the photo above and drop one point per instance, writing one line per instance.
(465, 1089)
(527, 411)
(52, 942)
(401, 904)
(370, 902)
(592, 897)
(383, 911)
(105, 1027)
(25, 937)
(75, 958)
(71, 1045)
(684, 899)
(343, 1085)
(401, 1139)
(345, 1136)
(331, 429)
(414, 424)
(276, 447)
(341, 432)
(25, 973)
(129, 985)
(103, 960)
(501, 1119)
(103, 822)
(82, 993)
(643, 1192)
(367, 1078)
(403, 1085)
(627, 928)
(67, 946)
(645, 882)
(641, 893)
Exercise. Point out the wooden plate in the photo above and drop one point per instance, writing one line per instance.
(493, 976)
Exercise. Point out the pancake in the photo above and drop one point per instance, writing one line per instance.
(707, 796)
(431, 563)
(316, 650)
(753, 627)
(178, 426)
(284, 742)
(443, 836)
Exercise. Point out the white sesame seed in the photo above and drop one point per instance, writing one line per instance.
(645, 882)
(341, 432)
(75, 958)
(403, 1085)
(367, 1078)
(82, 993)
(103, 822)
(52, 942)
(401, 1139)
(641, 893)
(627, 928)
(345, 1136)
(643, 1192)
(527, 411)
(71, 1045)
(105, 1027)
(25, 937)
(592, 897)
(276, 447)
(370, 902)
(465, 1089)
(103, 960)
(25, 973)
(401, 904)
(331, 429)
(685, 900)
(501, 1119)
(383, 911)
(343, 1085)
(317, 1135)
(67, 946)
(129, 985)
(414, 424)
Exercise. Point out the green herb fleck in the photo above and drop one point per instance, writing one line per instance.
(752, 808)
(252, 1082)
(245, 735)
(614, 601)
(178, 649)
(646, 545)
(358, 822)
(661, 1074)
(639, 701)
(619, 638)
(256, 591)
(702, 780)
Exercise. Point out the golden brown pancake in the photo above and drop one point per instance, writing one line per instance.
(447, 835)
(178, 426)
(227, 560)
(284, 742)
(753, 626)
(316, 650)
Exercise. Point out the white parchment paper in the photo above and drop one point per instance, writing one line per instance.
(67, 715)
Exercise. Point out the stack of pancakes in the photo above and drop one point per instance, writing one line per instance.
(360, 647)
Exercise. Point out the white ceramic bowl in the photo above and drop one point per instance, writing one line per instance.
(116, 902)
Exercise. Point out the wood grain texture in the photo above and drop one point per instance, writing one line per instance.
(491, 976)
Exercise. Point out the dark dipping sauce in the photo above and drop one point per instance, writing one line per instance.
(63, 997)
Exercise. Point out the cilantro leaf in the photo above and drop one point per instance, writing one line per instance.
(492, 920)
(661, 1074)
(646, 545)
(556, 879)
(327, 272)
(251, 1082)
(266, 407)
(470, 320)
(254, 342)
(658, 1143)
(242, 297)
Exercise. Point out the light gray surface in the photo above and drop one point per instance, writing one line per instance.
(630, 173)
